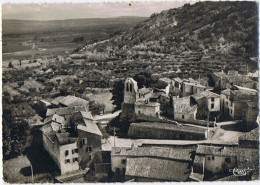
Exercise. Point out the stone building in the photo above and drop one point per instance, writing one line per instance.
(208, 104)
(74, 146)
(211, 160)
(176, 87)
(250, 114)
(152, 164)
(137, 103)
(190, 88)
(235, 99)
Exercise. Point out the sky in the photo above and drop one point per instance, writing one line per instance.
(60, 11)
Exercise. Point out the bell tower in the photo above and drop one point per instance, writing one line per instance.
(130, 91)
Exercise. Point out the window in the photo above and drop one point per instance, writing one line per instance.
(66, 153)
(75, 151)
(213, 157)
(90, 157)
(182, 116)
(127, 88)
(208, 158)
(231, 104)
(212, 105)
(75, 159)
(227, 160)
(139, 112)
(130, 87)
(231, 111)
(67, 161)
(117, 171)
(226, 103)
(212, 99)
(139, 95)
(83, 142)
(123, 161)
(89, 149)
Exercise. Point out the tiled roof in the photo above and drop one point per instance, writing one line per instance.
(55, 118)
(55, 126)
(213, 150)
(145, 90)
(56, 101)
(160, 169)
(64, 138)
(185, 109)
(220, 74)
(64, 110)
(156, 94)
(72, 101)
(46, 128)
(87, 115)
(253, 135)
(206, 94)
(239, 78)
(226, 92)
(46, 102)
(149, 104)
(194, 84)
(168, 126)
(90, 128)
(238, 93)
(158, 152)
(167, 80)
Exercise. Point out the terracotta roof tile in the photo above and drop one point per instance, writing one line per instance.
(160, 169)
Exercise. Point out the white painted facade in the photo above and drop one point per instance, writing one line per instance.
(65, 156)
(213, 104)
(149, 109)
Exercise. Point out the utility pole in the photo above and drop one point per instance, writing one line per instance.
(114, 137)
(208, 127)
(32, 174)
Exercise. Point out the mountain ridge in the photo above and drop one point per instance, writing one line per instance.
(220, 32)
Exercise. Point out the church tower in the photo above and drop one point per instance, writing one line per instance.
(130, 91)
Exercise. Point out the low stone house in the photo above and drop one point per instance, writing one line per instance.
(211, 161)
(152, 164)
(208, 104)
(235, 99)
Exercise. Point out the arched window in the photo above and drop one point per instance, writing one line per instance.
(131, 87)
(127, 88)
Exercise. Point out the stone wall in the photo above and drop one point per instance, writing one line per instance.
(143, 132)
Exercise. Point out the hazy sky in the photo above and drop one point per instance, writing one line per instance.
(83, 10)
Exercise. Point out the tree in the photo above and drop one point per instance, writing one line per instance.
(117, 94)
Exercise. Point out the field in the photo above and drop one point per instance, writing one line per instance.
(34, 39)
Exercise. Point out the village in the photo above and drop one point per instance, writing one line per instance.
(169, 98)
(177, 130)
